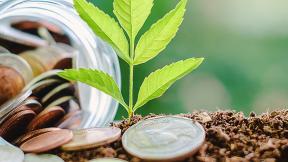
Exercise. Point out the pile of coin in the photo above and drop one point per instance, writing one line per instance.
(49, 101)
(34, 101)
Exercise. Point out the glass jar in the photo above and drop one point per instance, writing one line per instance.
(98, 108)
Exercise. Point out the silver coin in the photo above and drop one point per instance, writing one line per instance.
(4, 50)
(107, 160)
(52, 74)
(164, 138)
(60, 101)
(44, 84)
(18, 64)
(10, 153)
(3, 142)
(56, 90)
(42, 158)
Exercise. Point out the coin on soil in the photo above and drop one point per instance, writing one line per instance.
(42, 158)
(107, 160)
(10, 153)
(91, 138)
(164, 138)
(47, 141)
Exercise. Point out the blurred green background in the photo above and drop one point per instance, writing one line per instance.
(245, 44)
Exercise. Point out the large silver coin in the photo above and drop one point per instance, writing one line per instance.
(11, 154)
(107, 160)
(42, 158)
(164, 138)
(18, 64)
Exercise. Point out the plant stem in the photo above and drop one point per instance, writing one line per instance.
(131, 79)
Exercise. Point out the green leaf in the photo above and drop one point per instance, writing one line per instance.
(104, 26)
(160, 34)
(132, 14)
(156, 84)
(97, 79)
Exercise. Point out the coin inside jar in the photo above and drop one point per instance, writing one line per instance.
(11, 83)
(91, 138)
(16, 125)
(70, 121)
(47, 118)
(47, 141)
(46, 58)
(164, 138)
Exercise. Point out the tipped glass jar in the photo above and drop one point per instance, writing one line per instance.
(58, 16)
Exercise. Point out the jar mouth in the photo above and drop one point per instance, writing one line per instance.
(98, 108)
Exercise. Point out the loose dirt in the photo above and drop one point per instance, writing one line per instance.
(230, 137)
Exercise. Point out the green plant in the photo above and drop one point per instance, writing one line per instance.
(131, 15)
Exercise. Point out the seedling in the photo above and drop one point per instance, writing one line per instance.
(131, 15)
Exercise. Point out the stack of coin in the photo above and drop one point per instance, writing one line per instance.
(15, 73)
(56, 56)
(52, 106)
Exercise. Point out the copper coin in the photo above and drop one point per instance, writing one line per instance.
(33, 104)
(32, 134)
(69, 120)
(47, 118)
(16, 125)
(47, 141)
(91, 138)
(11, 83)
(13, 112)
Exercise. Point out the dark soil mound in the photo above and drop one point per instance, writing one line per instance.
(230, 137)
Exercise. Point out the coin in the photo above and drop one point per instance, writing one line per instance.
(42, 158)
(14, 102)
(4, 50)
(91, 138)
(164, 138)
(70, 120)
(11, 83)
(47, 141)
(18, 64)
(63, 102)
(33, 104)
(52, 74)
(45, 58)
(10, 153)
(59, 91)
(13, 112)
(32, 134)
(16, 125)
(47, 118)
(3, 142)
(107, 160)
(42, 87)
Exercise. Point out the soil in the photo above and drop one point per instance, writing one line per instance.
(230, 137)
